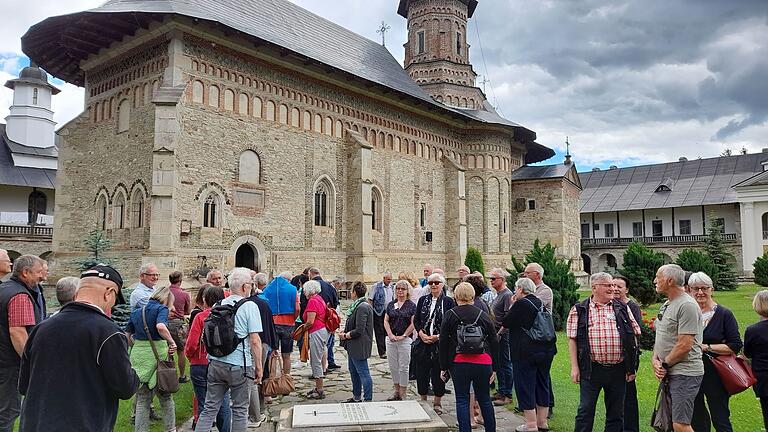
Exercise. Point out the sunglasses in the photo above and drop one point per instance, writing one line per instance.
(435, 283)
(493, 278)
(661, 312)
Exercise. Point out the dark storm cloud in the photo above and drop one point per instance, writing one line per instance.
(639, 61)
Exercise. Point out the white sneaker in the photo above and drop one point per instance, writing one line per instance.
(298, 365)
(254, 424)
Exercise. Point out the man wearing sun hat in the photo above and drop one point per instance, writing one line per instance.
(75, 367)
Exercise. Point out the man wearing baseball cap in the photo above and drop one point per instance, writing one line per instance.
(75, 366)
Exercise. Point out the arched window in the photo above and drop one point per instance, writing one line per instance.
(118, 211)
(376, 207)
(337, 131)
(249, 169)
(324, 204)
(270, 110)
(283, 114)
(101, 212)
(197, 92)
(764, 220)
(318, 123)
(210, 209)
(213, 96)
(328, 127)
(257, 107)
(229, 100)
(137, 209)
(123, 116)
(242, 104)
(37, 204)
(295, 117)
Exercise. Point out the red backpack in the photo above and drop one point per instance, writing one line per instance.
(332, 319)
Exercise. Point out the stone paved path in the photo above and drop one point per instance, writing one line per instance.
(338, 387)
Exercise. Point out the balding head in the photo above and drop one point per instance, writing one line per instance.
(98, 292)
(5, 263)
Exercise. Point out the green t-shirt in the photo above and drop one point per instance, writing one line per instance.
(680, 316)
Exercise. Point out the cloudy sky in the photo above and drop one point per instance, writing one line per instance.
(629, 82)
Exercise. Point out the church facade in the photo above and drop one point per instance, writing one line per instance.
(257, 134)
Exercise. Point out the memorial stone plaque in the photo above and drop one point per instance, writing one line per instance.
(366, 413)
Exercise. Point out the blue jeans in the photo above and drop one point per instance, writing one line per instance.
(504, 370)
(466, 375)
(331, 340)
(361, 377)
(199, 376)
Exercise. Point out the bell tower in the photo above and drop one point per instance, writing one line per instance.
(437, 53)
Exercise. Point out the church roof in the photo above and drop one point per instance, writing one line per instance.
(32, 75)
(12, 175)
(543, 172)
(60, 43)
(675, 184)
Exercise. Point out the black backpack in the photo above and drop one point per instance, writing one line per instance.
(219, 329)
(470, 338)
(543, 328)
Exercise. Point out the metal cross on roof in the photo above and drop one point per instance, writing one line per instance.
(484, 82)
(567, 146)
(383, 30)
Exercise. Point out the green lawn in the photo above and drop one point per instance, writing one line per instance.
(745, 408)
(183, 400)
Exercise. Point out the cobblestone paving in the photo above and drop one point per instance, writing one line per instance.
(338, 387)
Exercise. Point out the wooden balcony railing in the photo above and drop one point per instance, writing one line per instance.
(30, 231)
(677, 239)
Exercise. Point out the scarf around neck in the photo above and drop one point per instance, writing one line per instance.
(354, 306)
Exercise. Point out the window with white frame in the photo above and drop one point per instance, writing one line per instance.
(685, 226)
(210, 212)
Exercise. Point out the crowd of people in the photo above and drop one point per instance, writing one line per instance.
(483, 333)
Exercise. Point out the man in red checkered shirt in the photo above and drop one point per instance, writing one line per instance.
(602, 341)
(21, 307)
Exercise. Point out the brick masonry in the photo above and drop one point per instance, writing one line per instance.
(194, 110)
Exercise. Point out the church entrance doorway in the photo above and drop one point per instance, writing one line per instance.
(247, 256)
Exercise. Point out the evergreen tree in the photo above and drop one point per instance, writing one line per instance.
(474, 261)
(761, 270)
(640, 266)
(96, 244)
(694, 260)
(725, 277)
(557, 275)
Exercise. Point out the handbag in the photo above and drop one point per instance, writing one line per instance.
(278, 383)
(661, 419)
(167, 374)
(735, 373)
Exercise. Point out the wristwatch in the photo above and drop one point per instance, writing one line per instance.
(665, 365)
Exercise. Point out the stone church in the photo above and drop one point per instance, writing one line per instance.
(255, 133)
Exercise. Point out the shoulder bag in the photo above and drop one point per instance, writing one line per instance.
(661, 419)
(167, 374)
(735, 373)
(279, 383)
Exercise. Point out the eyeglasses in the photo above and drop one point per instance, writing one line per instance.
(156, 275)
(435, 283)
(401, 289)
(699, 289)
(493, 278)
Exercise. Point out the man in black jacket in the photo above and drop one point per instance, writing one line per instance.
(602, 341)
(75, 365)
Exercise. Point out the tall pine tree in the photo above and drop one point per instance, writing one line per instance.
(724, 277)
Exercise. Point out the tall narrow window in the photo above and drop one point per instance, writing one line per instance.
(118, 212)
(423, 216)
(376, 207)
(685, 226)
(123, 116)
(322, 194)
(36, 205)
(209, 212)
(34, 96)
(421, 42)
(637, 229)
(101, 215)
(504, 223)
(137, 210)
(458, 43)
(609, 230)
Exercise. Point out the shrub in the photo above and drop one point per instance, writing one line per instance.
(640, 266)
(724, 277)
(474, 261)
(557, 275)
(693, 260)
(648, 334)
(761, 270)
(96, 244)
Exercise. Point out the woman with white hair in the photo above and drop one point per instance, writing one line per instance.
(314, 320)
(398, 323)
(427, 321)
(721, 337)
(531, 360)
